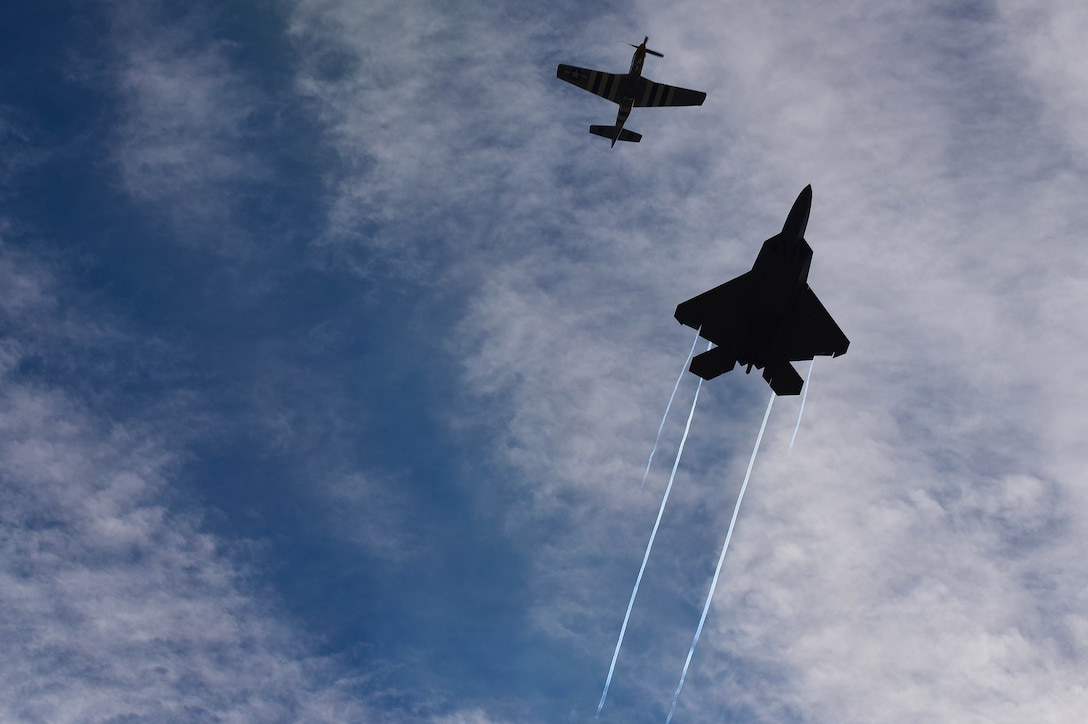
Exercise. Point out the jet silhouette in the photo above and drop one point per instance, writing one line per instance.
(767, 317)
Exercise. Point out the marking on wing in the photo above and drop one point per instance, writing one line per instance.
(646, 90)
(613, 87)
(593, 82)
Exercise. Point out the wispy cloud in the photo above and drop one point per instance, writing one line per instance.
(117, 602)
(193, 124)
(917, 557)
(932, 173)
(1045, 36)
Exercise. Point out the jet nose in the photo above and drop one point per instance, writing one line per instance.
(797, 221)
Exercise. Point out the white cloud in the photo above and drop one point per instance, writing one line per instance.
(186, 142)
(916, 557)
(1047, 38)
(116, 602)
(476, 716)
(904, 561)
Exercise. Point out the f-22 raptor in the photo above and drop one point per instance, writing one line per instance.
(767, 317)
(630, 90)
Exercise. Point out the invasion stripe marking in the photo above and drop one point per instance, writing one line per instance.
(613, 85)
(659, 91)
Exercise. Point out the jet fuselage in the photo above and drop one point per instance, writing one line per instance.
(780, 271)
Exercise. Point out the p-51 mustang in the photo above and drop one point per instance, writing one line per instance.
(629, 90)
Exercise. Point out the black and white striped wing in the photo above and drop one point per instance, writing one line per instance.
(658, 94)
(603, 84)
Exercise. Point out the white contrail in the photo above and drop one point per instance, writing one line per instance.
(804, 397)
(669, 406)
(721, 559)
(649, 546)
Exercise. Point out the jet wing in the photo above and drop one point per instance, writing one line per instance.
(659, 94)
(600, 83)
(811, 331)
(720, 313)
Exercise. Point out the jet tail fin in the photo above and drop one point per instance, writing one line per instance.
(609, 132)
(783, 379)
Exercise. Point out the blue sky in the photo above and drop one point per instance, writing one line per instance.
(332, 347)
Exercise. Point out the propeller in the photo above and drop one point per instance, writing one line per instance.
(651, 52)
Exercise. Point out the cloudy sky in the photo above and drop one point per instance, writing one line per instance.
(332, 348)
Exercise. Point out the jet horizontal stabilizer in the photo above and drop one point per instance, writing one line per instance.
(609, 132)
(783, 379)
(712, 363)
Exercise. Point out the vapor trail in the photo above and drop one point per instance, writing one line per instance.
(669, 406)
(649, 546)
(721, 559)
(804, 396)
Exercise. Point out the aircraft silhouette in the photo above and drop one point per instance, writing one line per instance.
(767, 317)
(629, 91)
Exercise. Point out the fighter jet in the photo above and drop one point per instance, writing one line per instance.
(768, 317)
(629, 91)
